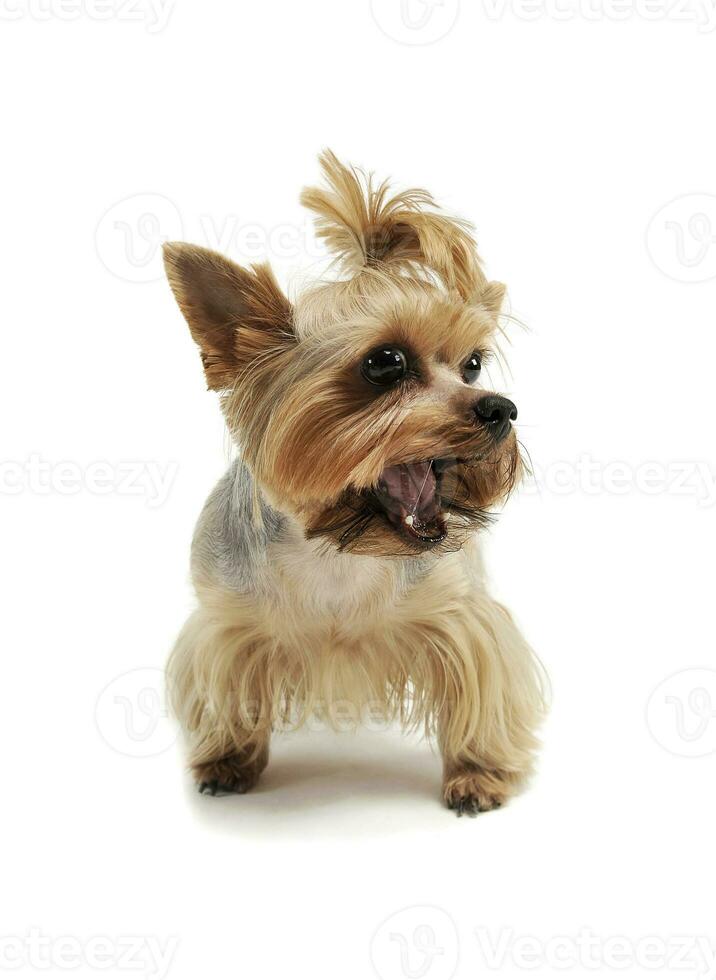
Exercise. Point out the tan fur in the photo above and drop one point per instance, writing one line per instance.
(445, 657)
(217, 297)
(335, 621)
(364, 226)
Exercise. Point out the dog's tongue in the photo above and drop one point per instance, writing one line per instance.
(408, 494)
(411, 487)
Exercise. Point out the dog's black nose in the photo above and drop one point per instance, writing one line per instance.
(496, 413)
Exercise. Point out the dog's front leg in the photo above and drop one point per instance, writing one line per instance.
(495, 702)
(215, 691)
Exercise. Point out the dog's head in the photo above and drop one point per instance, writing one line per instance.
(361, 409)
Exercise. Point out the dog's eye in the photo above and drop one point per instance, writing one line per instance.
(471, 368)
(384, 366)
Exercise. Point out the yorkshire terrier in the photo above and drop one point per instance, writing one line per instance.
(337, 563)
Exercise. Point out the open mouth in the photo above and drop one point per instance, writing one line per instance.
(409, 496)
(417, 500)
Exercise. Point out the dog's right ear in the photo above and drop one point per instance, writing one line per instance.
(233, 313)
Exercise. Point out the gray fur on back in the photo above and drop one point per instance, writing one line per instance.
(229, 543)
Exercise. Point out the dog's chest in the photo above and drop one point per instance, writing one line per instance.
(342, 603)
(330, 587)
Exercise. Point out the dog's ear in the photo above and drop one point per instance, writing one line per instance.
(232, 312)
(492, 297)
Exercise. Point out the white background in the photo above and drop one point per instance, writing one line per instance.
(562, 132)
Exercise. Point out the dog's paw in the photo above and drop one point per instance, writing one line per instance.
(472, 805)
(232, 774)
(472, 791)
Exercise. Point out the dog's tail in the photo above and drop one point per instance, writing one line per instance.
(367, 227)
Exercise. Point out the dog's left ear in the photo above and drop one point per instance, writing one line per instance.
(492, 296)
(232, 313)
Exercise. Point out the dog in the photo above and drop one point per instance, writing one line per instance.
(337, 563)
